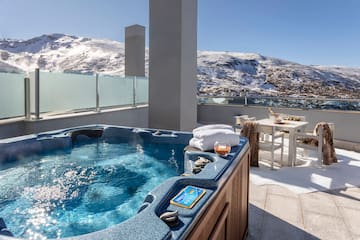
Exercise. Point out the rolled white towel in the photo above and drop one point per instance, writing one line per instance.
(196, 143)
(211, 132)
(212, 126)
(207, 143)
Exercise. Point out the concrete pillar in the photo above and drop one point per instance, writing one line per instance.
(135, 50)
(172, 64)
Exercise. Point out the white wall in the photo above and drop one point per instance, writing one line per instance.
(346, 122)
(132, 117)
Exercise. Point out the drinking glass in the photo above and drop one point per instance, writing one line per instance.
(222, 148)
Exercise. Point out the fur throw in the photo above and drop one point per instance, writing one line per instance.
(328, 150)
(249, 130)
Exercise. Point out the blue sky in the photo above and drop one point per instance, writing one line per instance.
(325, 32)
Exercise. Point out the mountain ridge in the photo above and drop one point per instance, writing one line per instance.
(219, 73)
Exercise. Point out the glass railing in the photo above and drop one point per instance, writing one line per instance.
(61, 92)
(302, 103)
(64, 92)
(11, 95)
(58, 93)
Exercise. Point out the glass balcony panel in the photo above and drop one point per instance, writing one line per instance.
(142, 90)
(64, 92)
(115, 90)
(11, 95)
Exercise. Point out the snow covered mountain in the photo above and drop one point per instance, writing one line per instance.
(58, 52)
(230, 73)
(219, 73)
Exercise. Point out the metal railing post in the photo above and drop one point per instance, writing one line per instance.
(97, 93)
(27, 97)
(134, 91)
(37, 93)
(246, 100)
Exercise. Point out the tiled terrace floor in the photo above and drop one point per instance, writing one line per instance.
(278, 213)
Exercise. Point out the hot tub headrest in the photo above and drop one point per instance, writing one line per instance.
(91, 133)
(3, 230)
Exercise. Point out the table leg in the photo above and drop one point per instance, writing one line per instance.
(292, 154)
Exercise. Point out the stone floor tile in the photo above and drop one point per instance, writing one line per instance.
(356, 237)
(257, 195)
(319, 202)
(326, 227)
(278, 190)
(355, 190)
(286, 208)
(352, 219)
(347, 198)
(318, 215)
(256, 218)
(276, 228)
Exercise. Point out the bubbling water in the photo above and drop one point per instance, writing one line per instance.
(91, 187)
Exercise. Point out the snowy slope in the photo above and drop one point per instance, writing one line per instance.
(219, 73)
(230, 73)
(58, 52)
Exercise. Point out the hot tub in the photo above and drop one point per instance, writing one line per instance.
(110, 182)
